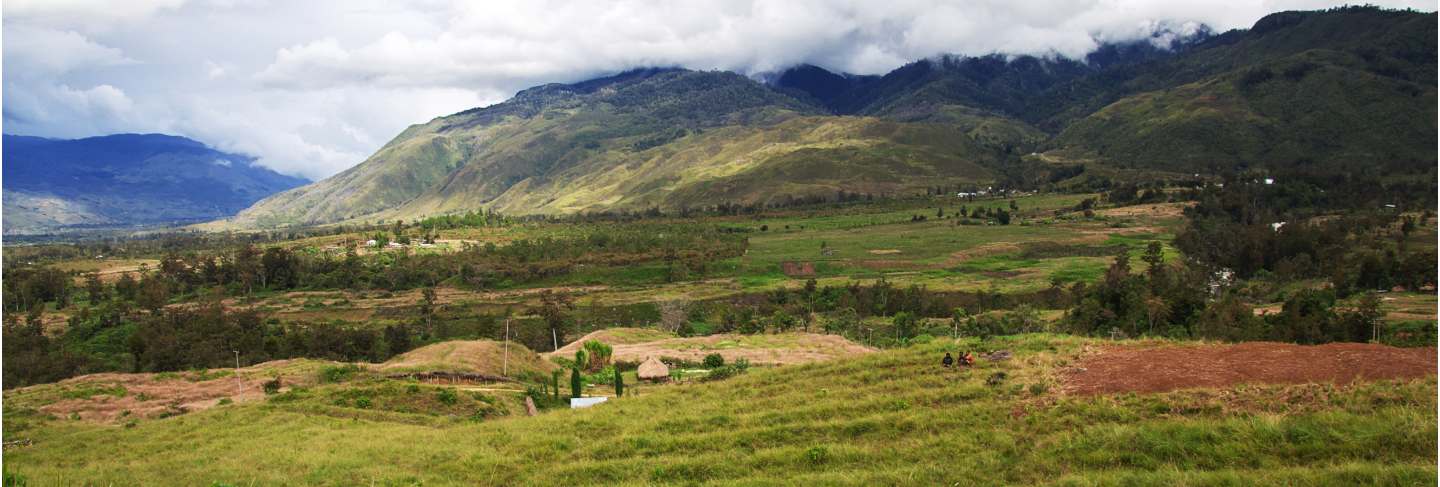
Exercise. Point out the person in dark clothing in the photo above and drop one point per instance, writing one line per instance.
(948, 360)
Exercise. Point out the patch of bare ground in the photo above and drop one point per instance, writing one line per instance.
(978, 251)
(1155, 210)
(782, 349)
(152, 395)
(469, 356)
(1166, 368)
(614, 336)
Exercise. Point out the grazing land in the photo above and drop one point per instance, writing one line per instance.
(892, 417)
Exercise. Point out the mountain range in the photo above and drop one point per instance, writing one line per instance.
(126, 180)
(1345, 90)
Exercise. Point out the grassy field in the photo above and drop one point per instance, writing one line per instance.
(889, 418)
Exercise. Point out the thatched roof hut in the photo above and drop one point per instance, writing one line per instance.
(653, 370)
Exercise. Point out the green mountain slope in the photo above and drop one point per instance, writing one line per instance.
(1346, 90)
(1341, 90)
(667, 138)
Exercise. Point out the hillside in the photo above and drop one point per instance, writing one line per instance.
(1337, 90)
(1315, 91)
(889, 418)
(666, 138)
(125, 180)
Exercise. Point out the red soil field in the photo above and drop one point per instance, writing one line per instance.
(1167, 368)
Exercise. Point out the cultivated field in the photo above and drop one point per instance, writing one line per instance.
(892, 417)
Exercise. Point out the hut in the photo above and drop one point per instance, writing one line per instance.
(653, 370)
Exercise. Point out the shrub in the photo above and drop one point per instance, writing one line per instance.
(598, 354)
(271, 386)
(364, 402)
(338, 373)
(446, 396)
(995, 379)
(817, 455)
(714, 360)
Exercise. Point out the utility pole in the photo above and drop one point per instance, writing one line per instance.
(237, 373)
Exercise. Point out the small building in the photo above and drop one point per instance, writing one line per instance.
(653, 370)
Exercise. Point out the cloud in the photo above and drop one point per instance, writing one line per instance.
(39, 51)
(311, 88)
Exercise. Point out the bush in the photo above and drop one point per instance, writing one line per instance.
(727, 371)
(364, 402)
(446, 396)
(271, 386)
(995, 379)
(338, 373)
(714, 360)
(817, 455)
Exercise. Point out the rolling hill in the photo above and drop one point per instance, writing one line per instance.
(1349, 89)
(126, 180)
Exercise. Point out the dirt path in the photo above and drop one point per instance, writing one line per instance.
(1166, 368)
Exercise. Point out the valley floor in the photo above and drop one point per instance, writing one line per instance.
(893, 417)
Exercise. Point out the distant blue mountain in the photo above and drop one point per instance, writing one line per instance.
(126, 180)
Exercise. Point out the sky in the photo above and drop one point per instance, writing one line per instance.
(310, 88)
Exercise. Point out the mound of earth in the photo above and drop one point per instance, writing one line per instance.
(471, 357)
(110, 397)
(781, 349)
(614, 336)
(1128, 369)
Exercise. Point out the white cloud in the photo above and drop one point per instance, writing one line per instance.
(311, 88)
(39, 51)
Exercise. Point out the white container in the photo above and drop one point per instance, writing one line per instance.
(585, 402)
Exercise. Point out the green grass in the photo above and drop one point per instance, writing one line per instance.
(891, 418)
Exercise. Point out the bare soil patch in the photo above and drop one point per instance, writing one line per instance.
(1167, 368)
(782, 349)
(982, 251)
(883, 251)
(156, 395)
(469, 356)
(1157, 210)
(613, 337)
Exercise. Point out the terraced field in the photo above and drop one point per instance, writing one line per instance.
(894, 417)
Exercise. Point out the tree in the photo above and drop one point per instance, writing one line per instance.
(555, 310)
(1155, 258)
(905, 324)
(673, 314)
(555, 384)
(1013, 206)
(427, 309)
(844, 322)
(575, 382)
(94, 288)
(619, 383)
(154, 293)
(1155, 310)
(958, 317)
